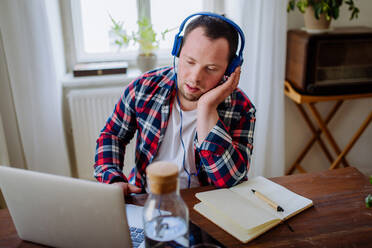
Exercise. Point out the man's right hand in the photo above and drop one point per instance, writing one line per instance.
(128, 188)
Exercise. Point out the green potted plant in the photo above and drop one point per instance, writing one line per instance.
(319, 13)
(368, 199)
(145, 36)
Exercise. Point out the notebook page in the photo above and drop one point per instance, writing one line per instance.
(226, 224)
(239, 210)
(291, 202)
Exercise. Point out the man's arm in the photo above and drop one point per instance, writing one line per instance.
(225, 151)
(118, 131)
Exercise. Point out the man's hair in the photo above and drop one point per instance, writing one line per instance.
(215, 28)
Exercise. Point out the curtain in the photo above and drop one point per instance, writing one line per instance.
(264, 23)
(32, 42)
(4, 157)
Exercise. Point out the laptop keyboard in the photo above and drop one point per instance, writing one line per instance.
(137, 235)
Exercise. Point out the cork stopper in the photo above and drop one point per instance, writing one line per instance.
(162, 177)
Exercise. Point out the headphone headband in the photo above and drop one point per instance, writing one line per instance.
(237, 60)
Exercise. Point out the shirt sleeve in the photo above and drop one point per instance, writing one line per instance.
(117, 133)
(225, 154)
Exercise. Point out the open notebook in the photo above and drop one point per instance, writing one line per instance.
(241, 213)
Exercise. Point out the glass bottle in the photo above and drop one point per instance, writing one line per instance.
(165, 214)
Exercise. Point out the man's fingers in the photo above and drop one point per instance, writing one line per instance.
(125, 190)
(133, 189)
(233, 80)
(128, 188)
(237, 77)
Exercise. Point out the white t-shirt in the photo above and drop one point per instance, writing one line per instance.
(171, 149)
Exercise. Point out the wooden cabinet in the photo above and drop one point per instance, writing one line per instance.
(338, 62)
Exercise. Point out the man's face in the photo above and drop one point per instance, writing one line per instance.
(202, 64)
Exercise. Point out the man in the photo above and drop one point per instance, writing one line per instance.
(191, 117)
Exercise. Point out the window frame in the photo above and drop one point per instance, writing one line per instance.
(73, 39)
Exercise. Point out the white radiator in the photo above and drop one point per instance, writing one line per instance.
(89, 111)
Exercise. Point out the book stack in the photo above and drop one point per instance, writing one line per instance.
(103, 68)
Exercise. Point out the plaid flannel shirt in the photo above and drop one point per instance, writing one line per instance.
(222, 159)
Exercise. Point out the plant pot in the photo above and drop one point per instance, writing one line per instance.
(146, 62)
(313, 25)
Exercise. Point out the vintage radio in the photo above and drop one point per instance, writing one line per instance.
(334, 63)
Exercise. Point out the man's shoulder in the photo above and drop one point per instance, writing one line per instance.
(160, 77)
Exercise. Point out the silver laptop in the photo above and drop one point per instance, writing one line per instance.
(67, 212)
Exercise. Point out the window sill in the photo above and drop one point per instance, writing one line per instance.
(71, 82)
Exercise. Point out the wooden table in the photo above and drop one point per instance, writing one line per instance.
(339, 217)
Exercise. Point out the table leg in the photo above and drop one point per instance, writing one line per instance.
(352, 141)
(325, 130)
(316, 136)
(315, 131)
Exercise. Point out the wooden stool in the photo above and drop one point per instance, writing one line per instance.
(310, 101)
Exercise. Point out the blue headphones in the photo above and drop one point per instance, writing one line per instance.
(236, 61)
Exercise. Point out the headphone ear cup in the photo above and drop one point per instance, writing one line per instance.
(177, 46)
(236, 61)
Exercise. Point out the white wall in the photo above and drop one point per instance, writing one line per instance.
(345, 122)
